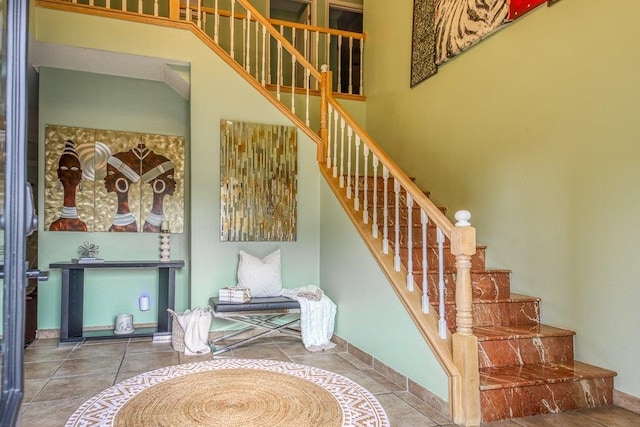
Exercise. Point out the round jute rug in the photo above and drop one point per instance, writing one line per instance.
(234, 393)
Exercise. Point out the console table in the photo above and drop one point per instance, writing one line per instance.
(72, 303)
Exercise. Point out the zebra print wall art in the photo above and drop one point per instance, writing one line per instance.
(443, 29)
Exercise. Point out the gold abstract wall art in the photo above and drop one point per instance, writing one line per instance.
(107, 180)
(258, 182)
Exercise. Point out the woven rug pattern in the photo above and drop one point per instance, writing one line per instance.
(234, 392)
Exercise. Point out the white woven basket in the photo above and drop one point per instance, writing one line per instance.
(177, 333)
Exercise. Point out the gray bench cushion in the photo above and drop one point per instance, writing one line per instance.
(254, 304)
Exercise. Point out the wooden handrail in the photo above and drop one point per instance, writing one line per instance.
(285, 43)
(331, 31)
(274, 22)
(418, 195)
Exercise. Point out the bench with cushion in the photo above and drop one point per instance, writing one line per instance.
(262, 314)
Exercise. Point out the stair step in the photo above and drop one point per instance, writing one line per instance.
(416, 233)
(380, 190)
(516, 310)
(403, 214)
(486, 284)
(514, 345)
(449, 260)
(520, 391)
(370, 179)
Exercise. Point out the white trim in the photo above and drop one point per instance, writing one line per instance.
(343, 5)
(313, 4)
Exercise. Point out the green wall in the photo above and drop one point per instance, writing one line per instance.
(98, 101)
(535, 131)
(370, 315)
(217, 93)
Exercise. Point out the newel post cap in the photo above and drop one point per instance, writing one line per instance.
(324, 68)
(463, 235)
(463, 218)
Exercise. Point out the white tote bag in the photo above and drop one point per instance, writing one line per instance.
(196, 324)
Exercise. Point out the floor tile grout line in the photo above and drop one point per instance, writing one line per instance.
(115, 379)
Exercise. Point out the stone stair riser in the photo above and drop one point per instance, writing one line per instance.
(449, 260)
(525, 351)
(416, 235)
(490, 286)
(544, 399)
(512, 313)
(403, 213)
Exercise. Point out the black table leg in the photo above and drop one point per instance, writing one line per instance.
(72, 306)
(166, 297)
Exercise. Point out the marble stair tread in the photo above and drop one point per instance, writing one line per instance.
(417, 239)
(495, 333)
(513, 297)
(539, 374)
(478, 260)
(452, 269)
(485, 284)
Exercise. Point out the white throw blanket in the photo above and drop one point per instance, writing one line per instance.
(196, 324)
(317, 316)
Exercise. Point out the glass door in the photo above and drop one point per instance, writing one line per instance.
(15, 203)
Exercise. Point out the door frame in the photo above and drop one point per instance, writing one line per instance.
(15, 206)
(313, 7)
(343, 5)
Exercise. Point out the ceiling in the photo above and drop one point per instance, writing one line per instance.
(174, 74)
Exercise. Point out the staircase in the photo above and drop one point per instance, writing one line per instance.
(501, 362)
(526, 368)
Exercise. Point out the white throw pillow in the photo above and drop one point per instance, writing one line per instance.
(261, 276)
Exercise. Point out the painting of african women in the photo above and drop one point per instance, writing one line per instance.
(258, 182)
(107, 180)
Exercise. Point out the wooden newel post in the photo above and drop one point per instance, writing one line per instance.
(463, 246)
(324, 112)
(465, 344)
(174, 10)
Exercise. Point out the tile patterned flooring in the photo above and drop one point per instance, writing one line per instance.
(58, 379)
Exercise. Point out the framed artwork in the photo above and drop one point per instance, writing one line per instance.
(116, 181)
(443, 29)
(423, 42)
(258, 182)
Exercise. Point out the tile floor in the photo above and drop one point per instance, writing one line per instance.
(58, 379)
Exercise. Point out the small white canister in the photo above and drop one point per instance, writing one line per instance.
(124, 324)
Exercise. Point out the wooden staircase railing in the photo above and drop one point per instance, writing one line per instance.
(359, 172)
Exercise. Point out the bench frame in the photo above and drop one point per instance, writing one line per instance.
(260, 314)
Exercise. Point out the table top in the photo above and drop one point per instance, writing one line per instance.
(118, 264)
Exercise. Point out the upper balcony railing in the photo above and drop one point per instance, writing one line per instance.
(343, 51)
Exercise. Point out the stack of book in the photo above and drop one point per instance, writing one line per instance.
(234, 294)
(88, 260)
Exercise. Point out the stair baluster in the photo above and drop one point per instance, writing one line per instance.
(410, 284)
(396, 225)
(424, 220)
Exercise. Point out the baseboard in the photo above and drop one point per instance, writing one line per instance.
(407, 384)
(43, 334)
(626, 401)
(46, 334)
